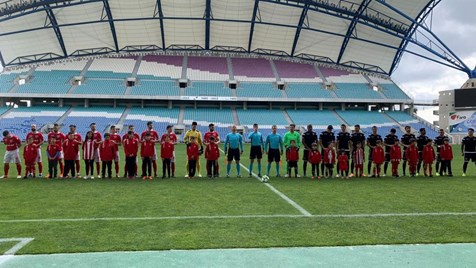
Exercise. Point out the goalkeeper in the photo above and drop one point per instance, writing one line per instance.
(198, 140)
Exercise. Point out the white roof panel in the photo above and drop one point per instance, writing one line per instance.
(126, 9)
(79, 13)
(184, 32)
(143, 32)
(229, 34)
(93, 36)
(183, 8)
(233, 10)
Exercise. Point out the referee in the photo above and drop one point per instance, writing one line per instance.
(235, 142)
(468, 149)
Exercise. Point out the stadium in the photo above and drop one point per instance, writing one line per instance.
(182, 63)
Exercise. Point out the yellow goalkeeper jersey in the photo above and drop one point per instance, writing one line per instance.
(193, 133)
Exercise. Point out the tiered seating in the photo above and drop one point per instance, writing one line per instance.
(101, 87)
(307, 90)
(49, 82)
(19, 120)
(392, 91)
(156, 88)
(356, 91)
(258, 90)
(207, 68)
(342, 76)
(159, 115)
(101, 115)
(160, 67)
(4, 109)
(208, 89)
(402, 117)
(64, 66)
(319, 119)
(118, 68)
(264, 117)
(365, 118)
(6, 81)
(252, 70)
(204, 116)
(296, 72)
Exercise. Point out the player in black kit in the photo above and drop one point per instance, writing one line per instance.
(325, 138)
(439, 141)
(422, 140)
(371, 143)
(343, 143)
(389, 141)
(355, 138)
(468, 149)
(308, 138)
(405, 140)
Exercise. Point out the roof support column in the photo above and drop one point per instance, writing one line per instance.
(253, 20)
(298, 30)
(161, 21)
(54, 23)
(208, 12)
(111, 24)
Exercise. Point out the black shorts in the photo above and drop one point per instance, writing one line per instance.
(305, 155)
(469, 157)
(274, 155)
(387, 157)
(292, 164)
(420, 155)
(233, 154)
(256, 152)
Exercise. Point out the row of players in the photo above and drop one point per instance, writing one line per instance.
(350, 147)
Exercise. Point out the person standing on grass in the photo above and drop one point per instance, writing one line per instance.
(325, 138)
(173, 140)
(292, 158)
(308, 139)
(167, 149)
(343, 144)
(97, 138)
(130, 128)
(131, 146)
(378, 157)
(257, 149)
(71, 150)
(198, 139)
(212, 153)
(147, 151)
(468, 149)
(30, 155)
(329, 159)
(343, 164)
(59, 137)
(154, 137)
(88, 155)
(358, 158)
(206, 140)
(428, 158)
(274, 147)
(289, 136)
(53, 151)
(315, 159)
(357, 137)
(395, 157)
(37, 141)
(79, 139)
(107, 151)
(372, 141)
(411, 154)
(388, 142)
(406, 141)
(439, 141)
(116, 139)
(422, 141)
(193, 154)
(234, 149)
(12, 154)
(446, 152)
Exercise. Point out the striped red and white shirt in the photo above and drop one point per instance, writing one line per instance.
(359, 156)
(88, 150)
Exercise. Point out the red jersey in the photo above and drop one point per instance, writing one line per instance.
(314, 157)
(428, 154)
(147, 149)
(71, 149)
(412, 154)
(59, 137)
(446, 152)
(343, 162)
(116, 138)
(37, 137)
(12, 143)
(131, 146)
(126, 136)
(209, 134)
(167, 150)
(212, 152)
(97, 137)
(88, 150)
(77, 137)
(193, 153)
(30, 153)
(172, 137)
(395, 153)
(53, 151)
(154, 136)
(359, 156)
(329, 156)
(292, 154)
(107, 150)
(378, 155)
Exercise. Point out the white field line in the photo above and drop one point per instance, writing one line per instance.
(9, 253)
(283, 196)
(211, 217)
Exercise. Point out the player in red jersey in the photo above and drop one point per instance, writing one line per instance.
(395, 157)
(131, 146)
(108, 152)
(343, 163)
(71, 150)
(315, 158)
(212, 133)
(12, 154)
(78, 138)
(38, 141)
(154, 136)
(53, 151)
(212, 153)
(428, 158)
(30, 155)
(378, 157)
(446, 154)
(292, 157)
(173, 139)
(98, 138)
(59, 138)
(116, 139)
(193, 154)
(147, 151)
(167, 150)
(358, 155)
(412, 156)
(130, 128)
(329, 159)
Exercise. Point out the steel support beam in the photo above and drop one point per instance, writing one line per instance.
(299, 27)
(208, 12)
(2, 60)
(253, 21)
(111, 24)
(161, 21)
(54, 23)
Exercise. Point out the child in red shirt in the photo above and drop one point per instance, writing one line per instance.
(167, 154)
(428, 158)
(395, 158)
(212, 153)
(53, 151)
(30, 154)
(70, 150)
(378, 157)
(292, 156)
(315, 159)
(107, 153)
(147, 151)
(446, 155)
(412, 157)
(193, 154)
(329, 160)
(359, 159)
(131, 147)
(343, 161)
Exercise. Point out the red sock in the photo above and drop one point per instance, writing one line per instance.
(154, 165)
(40, 167)
(61, 164)
(6, 167)
(18, 168)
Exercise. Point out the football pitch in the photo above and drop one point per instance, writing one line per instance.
(106, 215)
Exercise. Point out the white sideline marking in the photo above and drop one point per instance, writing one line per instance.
(211, 217)
(9, 253)
(283, 196)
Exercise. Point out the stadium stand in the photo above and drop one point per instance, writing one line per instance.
(101, 87)
(319, 119)
(296, 72)
(6, 81)
(156, 88)
(208, 89)
(160, 67)
(365, 118)
(405, 119)
(392, 91)
(356, 91)
(159, 115)
(118, 68)
(252, 70)
(207, 69)
(264, 117)
(258, 90)
(307, 90)
(48, 82)
(204, 116)
(82, 117)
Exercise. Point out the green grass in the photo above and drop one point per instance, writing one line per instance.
(4, 246)
(121, 198)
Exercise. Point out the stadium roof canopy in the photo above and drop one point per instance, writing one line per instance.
(370, 35)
